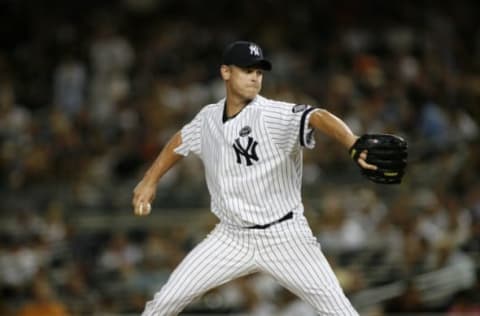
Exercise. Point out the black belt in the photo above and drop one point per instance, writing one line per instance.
(286, 217)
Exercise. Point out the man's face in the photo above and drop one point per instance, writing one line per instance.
(243, 82)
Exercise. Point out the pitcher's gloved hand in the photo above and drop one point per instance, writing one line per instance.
(387, 152)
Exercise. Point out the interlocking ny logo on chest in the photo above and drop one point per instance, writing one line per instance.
(245, 147)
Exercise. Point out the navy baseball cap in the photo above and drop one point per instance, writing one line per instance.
(245, 54)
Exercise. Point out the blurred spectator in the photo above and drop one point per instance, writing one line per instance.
(120, 256)
(77, 294)
(69, 84)
(55, 227)
(432, 216)
(18, 264)
(111, 57)
(15, 122)
(414, 258)
(410, 301)
(26, 252)
(338, 231)
(43, 302)
(466, 301)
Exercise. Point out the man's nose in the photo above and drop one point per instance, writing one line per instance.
(255, 76)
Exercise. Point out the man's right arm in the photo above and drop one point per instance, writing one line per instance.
(144, 192)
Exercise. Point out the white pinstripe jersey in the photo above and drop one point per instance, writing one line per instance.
(253, 161)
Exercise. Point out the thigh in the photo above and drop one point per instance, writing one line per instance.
(219, 258)
(293, 256)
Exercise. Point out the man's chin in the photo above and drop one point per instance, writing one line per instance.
(251, 96)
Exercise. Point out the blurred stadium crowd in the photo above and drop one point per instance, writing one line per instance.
(90, 92)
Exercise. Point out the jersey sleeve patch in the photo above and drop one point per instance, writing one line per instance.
(299, 108)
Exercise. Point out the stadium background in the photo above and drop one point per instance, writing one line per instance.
(90, 91)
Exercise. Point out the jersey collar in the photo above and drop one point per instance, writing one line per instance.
(225, 118)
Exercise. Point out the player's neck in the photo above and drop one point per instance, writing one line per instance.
(234, 105)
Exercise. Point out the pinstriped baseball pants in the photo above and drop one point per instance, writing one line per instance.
(287, 251)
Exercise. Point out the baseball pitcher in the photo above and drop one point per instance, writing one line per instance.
(251, 148)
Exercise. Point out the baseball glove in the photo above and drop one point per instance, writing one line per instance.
(387, 152)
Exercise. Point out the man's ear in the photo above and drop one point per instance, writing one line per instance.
(225, 72)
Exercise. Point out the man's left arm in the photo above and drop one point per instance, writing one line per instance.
(334, 127)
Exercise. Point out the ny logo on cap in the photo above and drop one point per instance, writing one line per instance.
(254, 50)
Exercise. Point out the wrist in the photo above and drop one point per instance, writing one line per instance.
(150, 179)
(351, 141)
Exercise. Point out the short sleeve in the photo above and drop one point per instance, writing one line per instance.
(288, 125)
(306, 131)
(191, 137)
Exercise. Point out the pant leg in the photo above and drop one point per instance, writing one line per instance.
(219, 258)
(292, 255)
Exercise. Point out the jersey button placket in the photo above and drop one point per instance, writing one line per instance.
(222, 170)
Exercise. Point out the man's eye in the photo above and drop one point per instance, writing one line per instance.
(253, 70)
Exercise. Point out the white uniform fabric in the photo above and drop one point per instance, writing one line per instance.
(245, 191)
(253, 167)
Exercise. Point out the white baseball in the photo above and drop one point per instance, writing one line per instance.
(144, 208)
(148, 208)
